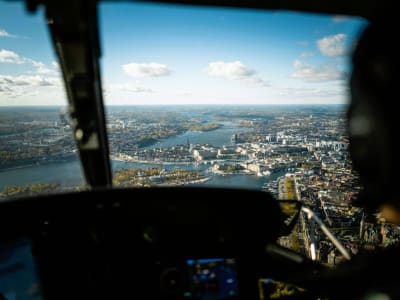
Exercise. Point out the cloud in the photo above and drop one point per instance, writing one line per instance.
(185, 93)
(38, 81)
(28, 80)
(320, 73)
(259, 81)
(139, 89)
(146, 69)
(7, 56)
(229, 70)
(27, 86)
(127, 87)
(4, 89)
(41, 67)
(234, 71)
(55, 65)
(4, 33)
(306, 54)
(303, 92)
(332, 45)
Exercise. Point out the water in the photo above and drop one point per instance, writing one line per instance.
(219, 137)
(64, 173)
(240, 181)
(117, 165)
(69, 174)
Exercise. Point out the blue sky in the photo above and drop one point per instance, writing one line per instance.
(156, 54)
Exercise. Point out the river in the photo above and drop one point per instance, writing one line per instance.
(219, 137)
(69, 173)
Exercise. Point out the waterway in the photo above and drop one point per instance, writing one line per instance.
(219, 137)
(69, 173)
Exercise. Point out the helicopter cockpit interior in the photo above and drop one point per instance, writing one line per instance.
(167, 241)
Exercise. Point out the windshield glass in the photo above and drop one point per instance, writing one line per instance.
(227, 97)
(37, 151)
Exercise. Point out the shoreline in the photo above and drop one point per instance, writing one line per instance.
(188, 182)
(138, 161)
(36, 163)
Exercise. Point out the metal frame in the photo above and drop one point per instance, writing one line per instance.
(74, 30)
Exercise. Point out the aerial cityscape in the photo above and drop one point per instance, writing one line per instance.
(294, 152)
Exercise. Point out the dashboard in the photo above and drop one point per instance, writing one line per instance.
(162, 243)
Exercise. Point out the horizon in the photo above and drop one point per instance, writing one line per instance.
(188, 104)
(188, 55)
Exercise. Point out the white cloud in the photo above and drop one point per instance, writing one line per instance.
(184, 93)
(229, 70)
(41, 67)
(332, 45)
(30, 89)
(5, 33)
(312, 73)
(127, 87)
(259, 81)
(39, 84)
(146, 69)
(306, 54)
(303, 92)
(28, 80)
(7, 56)
(55, 65)
(4, 89)
(235, 70)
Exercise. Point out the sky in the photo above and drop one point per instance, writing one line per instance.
(160, 55)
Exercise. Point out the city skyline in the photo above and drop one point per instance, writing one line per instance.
(158, 55)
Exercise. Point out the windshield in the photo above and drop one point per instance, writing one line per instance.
(224, 97)
(196, 97)
(37, 150)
